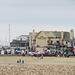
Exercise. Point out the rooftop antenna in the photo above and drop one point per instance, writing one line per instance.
(9, 34)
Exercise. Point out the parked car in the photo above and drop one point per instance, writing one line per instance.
(50, 52)
(31, 53)
(37, 53)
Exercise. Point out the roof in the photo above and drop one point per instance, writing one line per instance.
(37, 34)
(73, 40)
(57, 34)
(47, 31)
(66, 36)
(23, 36)
(15, 42)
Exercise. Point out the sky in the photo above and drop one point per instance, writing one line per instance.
(26, 15)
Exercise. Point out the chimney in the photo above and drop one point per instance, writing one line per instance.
(72, 34)
(33, 34)
(62, 35)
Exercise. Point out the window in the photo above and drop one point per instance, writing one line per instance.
(37, 45)
(22, 45)
(21, 39)
(13, 45)
(57, 42)
(51, 41)
(66, 42)
(48, 41)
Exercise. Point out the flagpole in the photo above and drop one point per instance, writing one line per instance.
(9, 34)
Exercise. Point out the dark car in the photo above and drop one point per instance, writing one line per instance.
(69, 52)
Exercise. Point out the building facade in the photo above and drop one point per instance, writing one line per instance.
(32, 40)
(21, 41)
(54, 38)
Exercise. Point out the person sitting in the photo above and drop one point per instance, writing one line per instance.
(41, 56)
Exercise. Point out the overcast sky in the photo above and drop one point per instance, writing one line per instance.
(26, 15)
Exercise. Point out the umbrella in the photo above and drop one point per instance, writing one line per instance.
(74, 49)
(17, 49)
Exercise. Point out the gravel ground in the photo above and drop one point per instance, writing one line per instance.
(35, 66)
(37, 70)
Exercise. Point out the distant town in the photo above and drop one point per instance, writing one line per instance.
(44, 42)
(44, 39)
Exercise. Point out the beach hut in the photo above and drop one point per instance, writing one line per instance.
(12, 52)
(2, 52)
(23, 53)
(26, 51)
(17, 49)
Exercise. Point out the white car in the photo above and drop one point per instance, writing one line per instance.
(31, 53)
